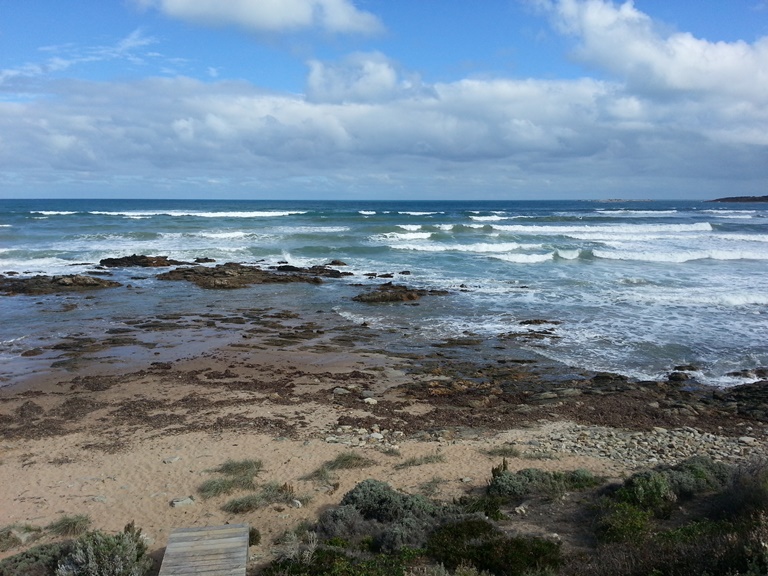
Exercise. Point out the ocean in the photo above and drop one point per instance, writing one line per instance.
(630, 287)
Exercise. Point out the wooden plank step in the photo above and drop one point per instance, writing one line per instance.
(206, 551)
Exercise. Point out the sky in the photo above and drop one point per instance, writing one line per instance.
(383, 99)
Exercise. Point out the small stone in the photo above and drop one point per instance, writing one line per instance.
(376, 436)
(171, 459)
(367, 393)
(101, 499)
(747, 440)
(296, 503)
(186, 501)
(466, 480)
(340, 391)
(331, 439)
(371, 401)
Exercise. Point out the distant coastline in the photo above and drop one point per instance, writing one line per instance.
(742, 199)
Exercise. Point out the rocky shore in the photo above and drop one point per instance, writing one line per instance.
(121, 441)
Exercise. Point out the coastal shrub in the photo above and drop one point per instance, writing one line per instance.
(337, 562)
(254, 536)
(510, 485)
(648, 491)
(698, 549)
(479, 543)
(70, 526)
(697, 475)
(40, 560)
(440, 570)
(378, 501)
(99, 554)
(747, 492)
(343, 523)
(623, 522)
(489, 506)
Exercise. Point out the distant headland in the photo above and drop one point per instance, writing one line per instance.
(742, 199)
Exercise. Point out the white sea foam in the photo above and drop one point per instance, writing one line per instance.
(478, 248)
(680, 256)
(638, 213)
(525, 258)
(566, 254)
(609, 229)
(6, 225)
(367, 212)
(197, 214)
(488, 218)
(420, 213)
(444, 227)
(410, 227)
(403, 236)
(224, 235)
(54, 212)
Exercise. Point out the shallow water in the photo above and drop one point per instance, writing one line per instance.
(635, 288)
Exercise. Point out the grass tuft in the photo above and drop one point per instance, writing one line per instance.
(506, 451)
(70, 526)
(420, 461)
(240, 467)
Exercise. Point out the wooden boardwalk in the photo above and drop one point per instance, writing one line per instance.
(208, 551)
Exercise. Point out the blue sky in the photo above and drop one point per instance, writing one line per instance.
(384, 99)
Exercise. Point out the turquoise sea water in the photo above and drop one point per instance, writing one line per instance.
(634, 287)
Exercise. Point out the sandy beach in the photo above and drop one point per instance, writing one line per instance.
(121, 446)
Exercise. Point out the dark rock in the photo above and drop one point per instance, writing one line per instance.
(52, 284)
(405, 272)
(142, 261)
(204, 260)
(678, 377)
(390, 292)
(32, 352)
(609, 378)
(336, 263)
(231, 276)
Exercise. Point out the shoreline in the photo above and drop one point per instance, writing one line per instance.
(296, 394)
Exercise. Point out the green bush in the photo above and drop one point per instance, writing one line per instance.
(623, 522)
(40, 560)
(747, 493)
(376, 500)
(481, 544)
(510, 485)
(648, 491)
(99, 554)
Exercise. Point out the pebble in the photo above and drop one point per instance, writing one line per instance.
(185, 501)
(371, 401)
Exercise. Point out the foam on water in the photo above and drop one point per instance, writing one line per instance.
(525, 258)
(639, 288)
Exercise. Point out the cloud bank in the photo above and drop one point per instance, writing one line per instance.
(671, 118)
(271, 15)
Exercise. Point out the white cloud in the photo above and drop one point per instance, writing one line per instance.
(359, 77)
(629, 44)
(271, 15)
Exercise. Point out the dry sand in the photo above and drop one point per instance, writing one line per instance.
(119, 448)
